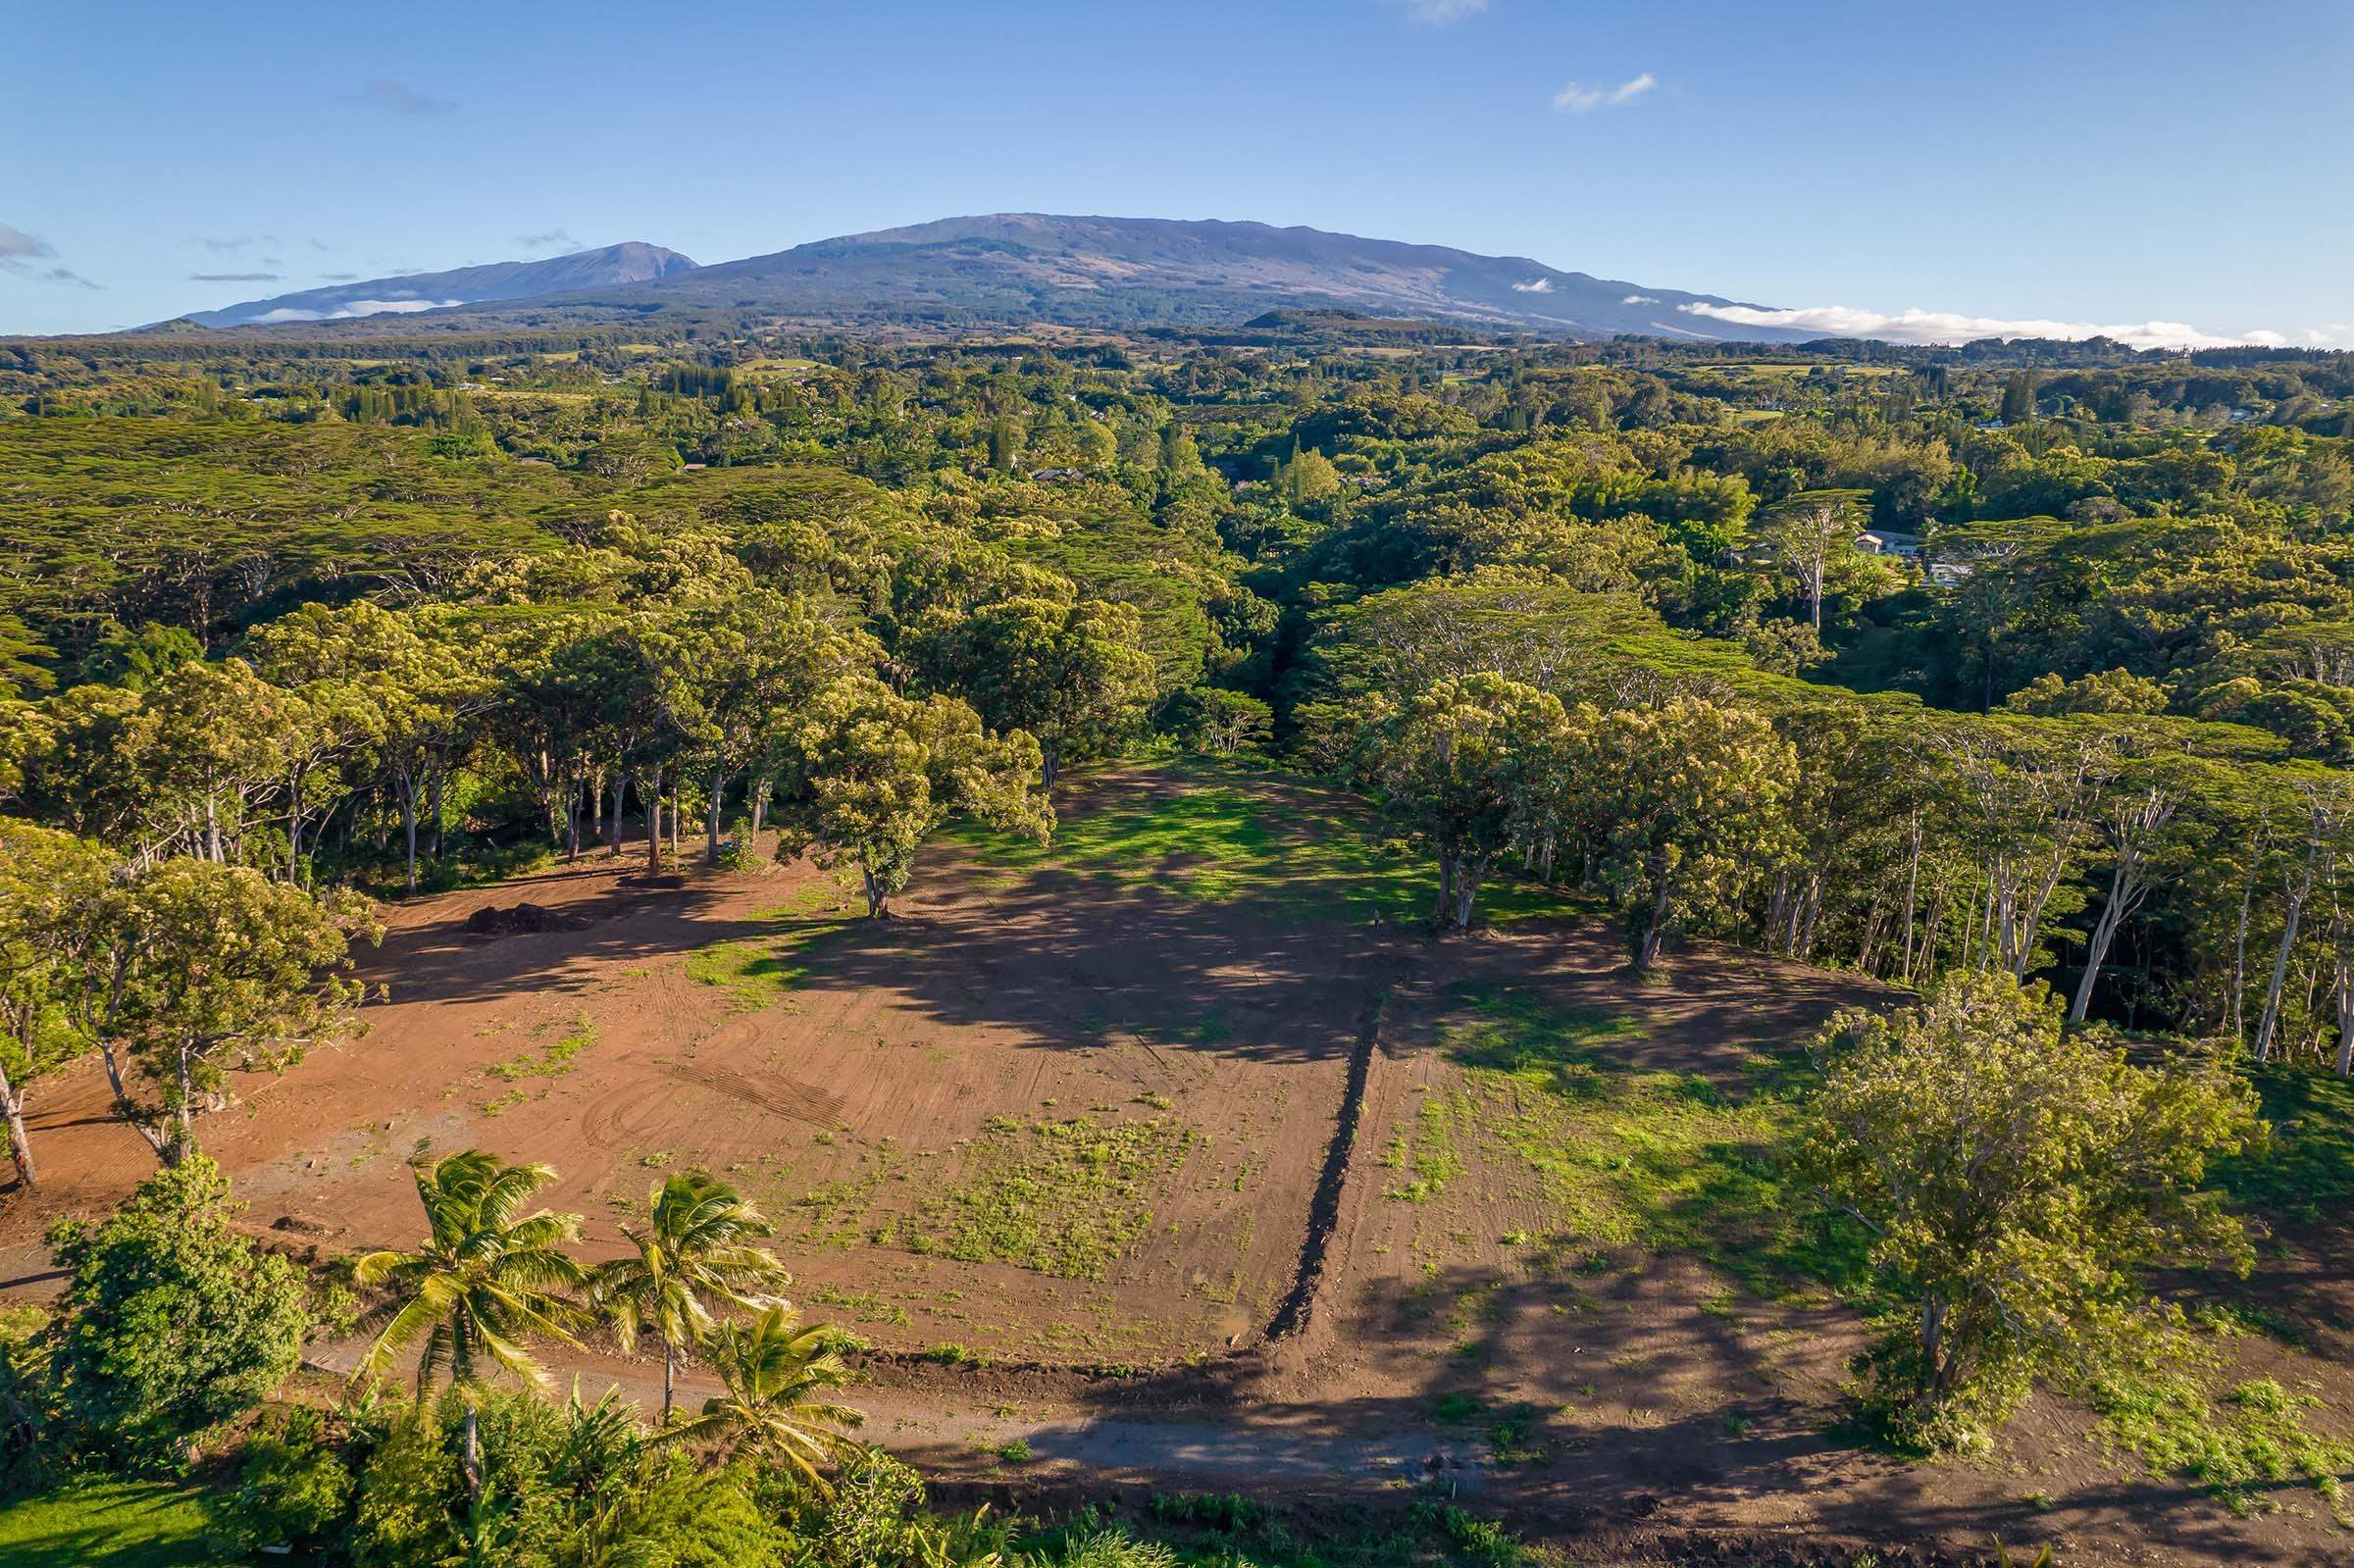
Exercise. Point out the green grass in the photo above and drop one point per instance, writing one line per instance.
(1623, 1154)
(112, 1524)
(1066, 1199)
(2305, 1173)
(2252, 1441)
(759, 971)
(552, 1060)
(1312, 857)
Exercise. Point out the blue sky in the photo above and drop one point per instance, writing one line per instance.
(2075, 161)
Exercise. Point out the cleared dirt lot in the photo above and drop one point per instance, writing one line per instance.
(1067, 1138)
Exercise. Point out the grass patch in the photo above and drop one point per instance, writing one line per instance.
(551, 1061)
(2305, 1172)
(757, 972)
(1426, 1156)
(1633, 1156)
(2252, 1441)
(1310, 857)
(865, 1307)
(1067, 1198)
(109, 1524)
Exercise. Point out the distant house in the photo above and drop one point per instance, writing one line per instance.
(1057, 476)
(1946, 573)
(1889, 541)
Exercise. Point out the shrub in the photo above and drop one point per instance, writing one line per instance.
(294, 1487)
(2026, 1259)
(172, 1323)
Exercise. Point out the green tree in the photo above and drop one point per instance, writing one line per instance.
(1683, 804)
(49, 884)
(192, 965)
(869, 773)
(2017, 1179)
(488, 1277)
(1069, 674)
(694, 1251)
(172, 1322)
(776, 1376)
(1468, 765)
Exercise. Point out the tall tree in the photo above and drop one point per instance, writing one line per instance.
(869, 773)
(1684, 803)
(1069, 674)
(1470, 765)
(189, 965)
(50, 885)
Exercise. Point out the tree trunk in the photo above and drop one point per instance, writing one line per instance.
(652, 794)
(878, 898)
(613, 823)
(2270, 1021)
(183, 1114)
(1050, 763)
(470, 1459)
(1647, 942)
(711, 817)
(2345, 1014)
(408, 822)
(760, 791)
(2121, 892)
(670, 1365)
(20, 1144)
(1466, 892)
(1445, 909)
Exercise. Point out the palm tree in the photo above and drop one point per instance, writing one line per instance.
(695, 1252)
(774, 1371)
(486, 1276)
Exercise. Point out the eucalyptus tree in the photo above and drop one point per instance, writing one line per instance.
(50, 882)
(1686, 803)
(184, 968)
(1069, 673)
(2142, 826)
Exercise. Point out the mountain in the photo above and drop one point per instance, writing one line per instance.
(1024, 267)
(633, 262)
(1145, 271)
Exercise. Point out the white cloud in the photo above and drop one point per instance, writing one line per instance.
(1438, 12)
(1542, 285)
(15, 243)
(1576, 100)
(1945, 326)
(553, 239)
(1640, 299)
(352, 307)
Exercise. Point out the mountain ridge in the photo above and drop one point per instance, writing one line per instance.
(407, 293)
(1079, 271)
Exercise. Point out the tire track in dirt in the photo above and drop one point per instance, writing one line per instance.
(777, 1095)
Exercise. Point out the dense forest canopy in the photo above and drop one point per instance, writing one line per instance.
(1991, 597)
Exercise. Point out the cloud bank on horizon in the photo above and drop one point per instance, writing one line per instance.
(1923, 326)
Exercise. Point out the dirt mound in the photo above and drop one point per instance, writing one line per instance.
(524, 919)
